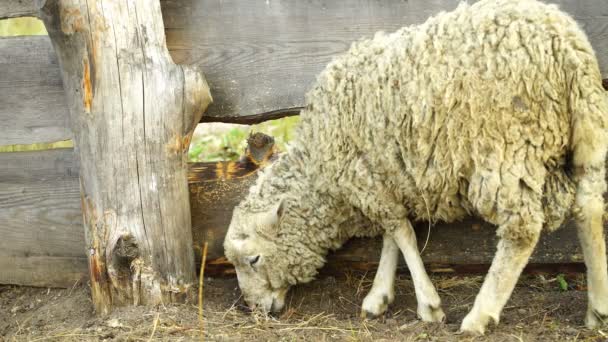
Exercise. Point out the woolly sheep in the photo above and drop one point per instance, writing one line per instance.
(494, 110)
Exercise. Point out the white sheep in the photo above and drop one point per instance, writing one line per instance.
(494, 110)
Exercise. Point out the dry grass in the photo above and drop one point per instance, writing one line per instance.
(327, 309)
(200, 291)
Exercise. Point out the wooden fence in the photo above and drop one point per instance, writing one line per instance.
(259, 58)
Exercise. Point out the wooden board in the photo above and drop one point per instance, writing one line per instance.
(17, 8)
(32, 102)
(43, 271)
(259, 57)
(43, 239)
(450, 246)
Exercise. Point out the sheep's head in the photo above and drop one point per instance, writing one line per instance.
(268, 252)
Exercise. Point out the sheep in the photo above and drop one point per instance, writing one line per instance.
(493, 110)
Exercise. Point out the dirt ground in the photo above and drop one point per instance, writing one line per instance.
(327, 309)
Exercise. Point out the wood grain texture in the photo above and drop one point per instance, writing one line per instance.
(263, 56)
(32, 101)
(43, 271)
(43, 220)
(259, 58)
(17, 8)
(42, 240)
(38, 166)
(470, 242)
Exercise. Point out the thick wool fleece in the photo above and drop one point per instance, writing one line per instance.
(479, 111)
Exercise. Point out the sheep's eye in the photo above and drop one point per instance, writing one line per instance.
(253, 260)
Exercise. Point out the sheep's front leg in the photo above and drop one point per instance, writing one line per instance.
(383, 290)
(511, 257)
(429, 303)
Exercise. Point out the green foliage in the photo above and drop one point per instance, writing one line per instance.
(37, 147)
(561, 282)
(218, 146)
(22, 27)
(228, 142)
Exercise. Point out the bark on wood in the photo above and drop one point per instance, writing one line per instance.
(132, 112)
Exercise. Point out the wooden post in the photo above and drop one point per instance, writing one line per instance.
(132, 111)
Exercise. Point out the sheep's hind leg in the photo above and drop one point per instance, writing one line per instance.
(511, 257)
(589, 219)
(429, 303)
(382, 293)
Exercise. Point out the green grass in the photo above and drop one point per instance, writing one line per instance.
(21, 27)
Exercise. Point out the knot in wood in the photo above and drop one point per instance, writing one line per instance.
(126, 247)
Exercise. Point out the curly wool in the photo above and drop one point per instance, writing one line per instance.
(477, 111)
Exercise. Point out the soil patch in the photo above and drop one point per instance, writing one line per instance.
(324, 310)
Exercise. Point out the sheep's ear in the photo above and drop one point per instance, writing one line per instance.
(272, 217)
(280, 209)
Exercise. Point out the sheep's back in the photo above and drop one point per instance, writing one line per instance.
(481, 89)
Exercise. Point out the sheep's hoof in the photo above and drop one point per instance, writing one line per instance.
(477, 330)
(595, 319)
(368, 315)
(375, 304)
(428, 313)
(475, 323)
(472, 333)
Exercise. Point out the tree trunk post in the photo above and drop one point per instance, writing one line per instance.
(133, 112)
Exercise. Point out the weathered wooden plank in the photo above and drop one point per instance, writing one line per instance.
(17, 8)
(259, 57)
(470, 242)
(40, 205)
(262, 56)
(26, 167)
(41, 216)
(40, 210)
(43, 271)
(42, 239)
(32, 101)
(456, 247)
